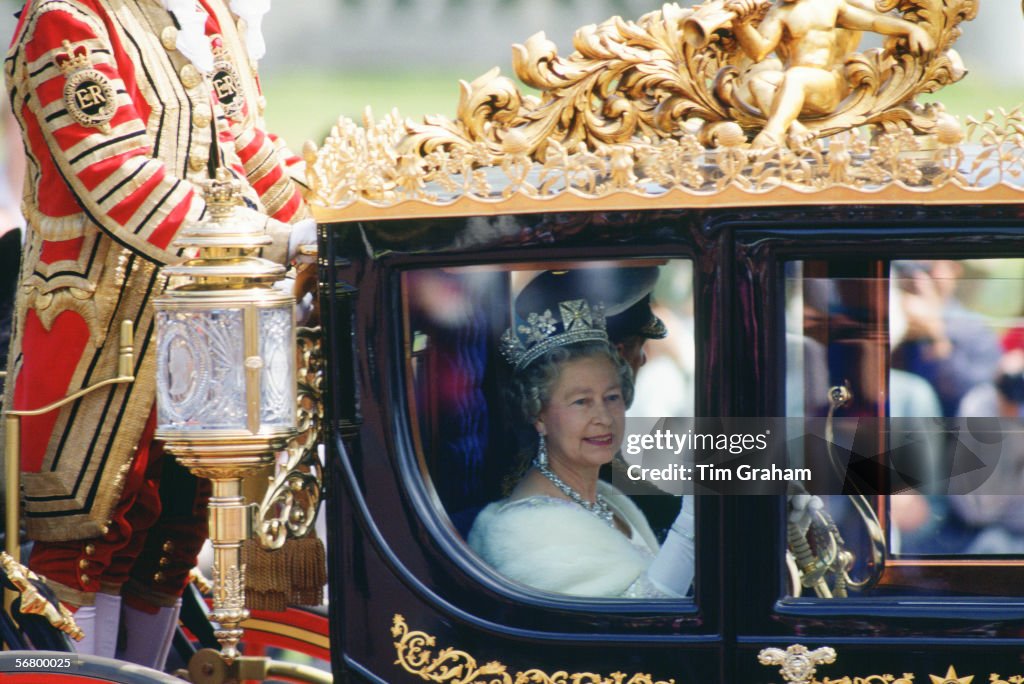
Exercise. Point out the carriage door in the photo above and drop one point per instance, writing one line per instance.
(894, 359)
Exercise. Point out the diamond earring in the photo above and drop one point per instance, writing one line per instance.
(542, 452)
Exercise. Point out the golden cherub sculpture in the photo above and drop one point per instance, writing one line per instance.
(784, 72)
(811, 39)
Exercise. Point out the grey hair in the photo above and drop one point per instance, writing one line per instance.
(531, 387)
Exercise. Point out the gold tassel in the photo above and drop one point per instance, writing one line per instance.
(265, 577)
(307, 562)
(292, 575)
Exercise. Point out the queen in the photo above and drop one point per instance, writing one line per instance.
(562, 529)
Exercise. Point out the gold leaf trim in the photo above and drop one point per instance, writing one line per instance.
(681, 67)
(799, 666)
(798, 663)
(359, 172)
(659, 107)
(415, 653)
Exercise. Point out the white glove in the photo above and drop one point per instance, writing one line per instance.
(303, 233)
(672, 569)
(303, 305)
(802, 508)
(303, 308)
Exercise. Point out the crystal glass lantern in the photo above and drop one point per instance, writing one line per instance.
(225, 336)
(226, 386)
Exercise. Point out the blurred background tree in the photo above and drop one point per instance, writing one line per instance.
(335, 57)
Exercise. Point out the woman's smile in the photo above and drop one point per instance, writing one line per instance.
(600, 440)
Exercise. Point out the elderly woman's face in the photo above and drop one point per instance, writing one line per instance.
(585, 416)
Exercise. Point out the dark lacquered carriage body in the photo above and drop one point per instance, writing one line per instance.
(404, 585)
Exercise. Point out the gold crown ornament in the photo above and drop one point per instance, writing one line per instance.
(542, 332)
(75, 57)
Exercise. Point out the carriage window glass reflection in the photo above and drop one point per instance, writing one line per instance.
(832, 325)
(523, 382)
(958, 335)
(919, 347)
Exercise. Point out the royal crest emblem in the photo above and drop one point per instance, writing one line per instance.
(88, 93)
(227, 84)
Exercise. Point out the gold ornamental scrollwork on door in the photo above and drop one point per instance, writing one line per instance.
(798, 663)
(799, 666)
(906, 678)
(415, 651)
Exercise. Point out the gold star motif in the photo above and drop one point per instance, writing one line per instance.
(951, 678)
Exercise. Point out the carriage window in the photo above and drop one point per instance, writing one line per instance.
(574, 351)
(915, 367)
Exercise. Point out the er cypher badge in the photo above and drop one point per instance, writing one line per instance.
(88, 93)
(227, 84)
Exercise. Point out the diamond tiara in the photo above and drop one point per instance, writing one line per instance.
(542, 332)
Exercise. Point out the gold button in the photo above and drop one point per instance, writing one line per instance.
(158, 577)
(202, 117)
(168, 546)
(90, 549)
(190, 76)
(83, 564)
(261, 104)
(164, 561)
(169, 38)
(197, 162)
(85, 578)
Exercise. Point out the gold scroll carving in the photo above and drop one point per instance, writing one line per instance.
(686, 69)
(416, 655)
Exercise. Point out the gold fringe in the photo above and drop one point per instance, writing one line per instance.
(265, 577)
(292, 575)
(307, 561)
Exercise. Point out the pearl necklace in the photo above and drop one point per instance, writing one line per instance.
(599, 508)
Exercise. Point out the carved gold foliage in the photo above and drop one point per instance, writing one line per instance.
(416, 655)
(361, 165)
(950, 677)
(995, 678)
(679, 68)
(1001, 137)
(986, 153)
(229, 587)
(906, 678)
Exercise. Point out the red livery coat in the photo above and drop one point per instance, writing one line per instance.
(117, 124)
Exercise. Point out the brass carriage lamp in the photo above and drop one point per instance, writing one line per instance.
(226, 387)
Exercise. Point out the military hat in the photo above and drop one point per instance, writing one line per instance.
(625, 293)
